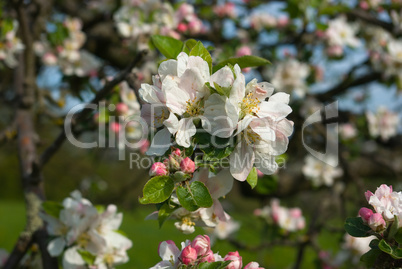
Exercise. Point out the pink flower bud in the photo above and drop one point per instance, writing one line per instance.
(182, 27)
(365, 213)
(244, 50)
(188, 255)
(176, 152)
(173, 164)
(253, 265)
(158, 169)
(115, 127)
(377, 222)
(236, 260)
(187, 165)
(283, 21)
(201, 244)
(259, 173)
(195, 26)
(121, 108)
(208, 257)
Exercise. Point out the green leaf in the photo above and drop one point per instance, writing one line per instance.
(201, 194)
(333, 9)
(393, 229)
(370, 257)
(189, 45)
(214, 265)
(394, 251)
(355, 227)
(164, 213)
(52, 208)
(87, 256)
(167, 45)
(200, 50)
(100, 208)
(120, 232)
(214, 148)
(157, 190)
(252, 178)
(186, 199)
(225, 91)
(398, 236)
(243, 62)
(194, 196)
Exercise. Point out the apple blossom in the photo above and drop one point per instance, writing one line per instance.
(341, 33)
(290, 76)
(201, 244)
(383, 123)
(386, 202)
(253, 265)
(10, 44)
(347, 131)
(321, 173)
(376, 222)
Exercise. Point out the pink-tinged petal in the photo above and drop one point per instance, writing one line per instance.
(244, 123)
(220, 116)
(241, 161)
(223, 77)
(262, 128)
(274, 110)
(253, 265)
(368, 194)
(168, 250)
(277, 147)
(193, 84)
(219, 212)
(163, 265)
(186, 130)
(280, 97)
(148, 93)
(284, 126)
(160, 143)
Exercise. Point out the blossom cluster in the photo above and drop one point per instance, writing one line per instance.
(123, 118)
(320, 172)
(290, 76)
(187, 101)
(383, 123)
(196, 252)
(287, 219)
(137, 20)
(387, 205)
(85, 234)
(182, 168)
(63, 47)
(260, 21)
(10, 44)
(339, 34)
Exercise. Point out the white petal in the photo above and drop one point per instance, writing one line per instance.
(241, 161)
(280, 97)
(172, 123)
(202, 66)
(193, 83)
(186, 129)
(72, 259)
(166, 68)
(262, 128)
(182, 60)
(176, 98)
(276, 111)
(168, 250)
(148, 93)
(223, 77)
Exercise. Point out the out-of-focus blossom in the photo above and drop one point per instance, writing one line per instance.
(290, 76)
(358, 245)
(340, 33)
(288, 219)
(10, 44)
(383, 123)
(320, 172)
(259, 21)
(3, 257)
(225, 10)
(347, 131)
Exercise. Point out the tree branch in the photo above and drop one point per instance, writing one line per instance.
(54, 147)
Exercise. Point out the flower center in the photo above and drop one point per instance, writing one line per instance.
(194, 107)
(83, 240)
(249, 105)
(187, 221)
(162, 117)
(251, 137)
(109, 259)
